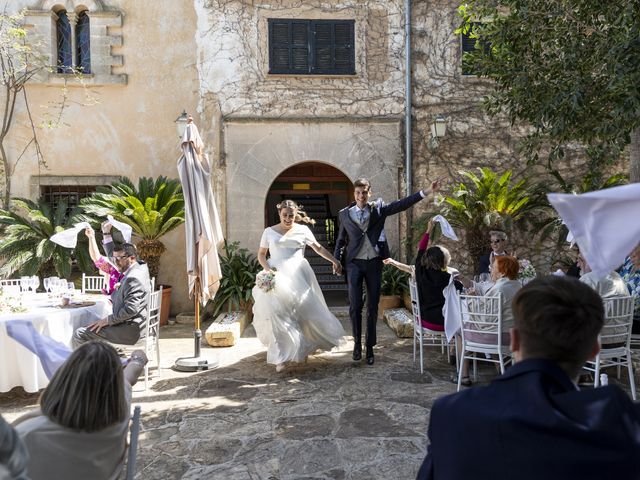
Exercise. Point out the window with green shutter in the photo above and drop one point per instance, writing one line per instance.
(311, 47)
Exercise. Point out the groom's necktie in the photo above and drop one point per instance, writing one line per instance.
(361, 216)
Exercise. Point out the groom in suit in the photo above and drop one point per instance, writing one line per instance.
(362, 250)
(533, 422)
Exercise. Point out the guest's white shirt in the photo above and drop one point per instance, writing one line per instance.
(610, 286)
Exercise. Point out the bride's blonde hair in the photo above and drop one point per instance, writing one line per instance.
(301, 216)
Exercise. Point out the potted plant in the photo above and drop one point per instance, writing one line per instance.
(152, 209)
(394, 283)
(239, 269)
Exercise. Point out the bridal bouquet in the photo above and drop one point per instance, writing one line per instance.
(266, 281)
(527, 272)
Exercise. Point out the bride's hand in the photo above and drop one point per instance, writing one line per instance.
(337, 268)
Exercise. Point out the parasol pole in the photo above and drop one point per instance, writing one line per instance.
(195, 363)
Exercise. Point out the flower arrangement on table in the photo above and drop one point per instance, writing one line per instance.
(526, 272)
(266, 280)
(10, 304)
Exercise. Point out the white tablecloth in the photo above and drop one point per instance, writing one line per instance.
(20, 367)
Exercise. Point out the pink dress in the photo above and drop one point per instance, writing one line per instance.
(104, 265)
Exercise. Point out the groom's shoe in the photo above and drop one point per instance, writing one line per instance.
(370, 358)
(357, 352)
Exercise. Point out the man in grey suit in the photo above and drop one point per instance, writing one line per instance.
(130, 301)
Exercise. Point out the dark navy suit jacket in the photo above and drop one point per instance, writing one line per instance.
(350, 236)
(533, 424)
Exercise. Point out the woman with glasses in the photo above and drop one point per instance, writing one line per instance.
(498, 242)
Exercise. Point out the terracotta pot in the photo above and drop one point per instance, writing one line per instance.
(388, 301)
(165, 304)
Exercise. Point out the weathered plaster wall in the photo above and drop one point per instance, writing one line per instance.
(129, 129)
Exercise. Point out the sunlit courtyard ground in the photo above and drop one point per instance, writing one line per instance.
(330, 418)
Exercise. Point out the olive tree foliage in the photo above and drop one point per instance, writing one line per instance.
(568, 68)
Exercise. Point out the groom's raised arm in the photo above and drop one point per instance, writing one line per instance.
(404, 203)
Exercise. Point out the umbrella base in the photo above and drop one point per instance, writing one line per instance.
(193, 364)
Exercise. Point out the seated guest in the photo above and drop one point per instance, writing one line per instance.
(80, 429)
(505, 275)
(127, 322)
(498, 240)
(13, 455)
(630, 273)
(431, 278)
(610, 286)
(533, 422)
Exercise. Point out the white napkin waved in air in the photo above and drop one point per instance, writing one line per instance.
(605, 224)
(123, 227)
(447, 230)
(69, 238)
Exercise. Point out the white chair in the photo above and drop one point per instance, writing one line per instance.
(422, 336)
(11, 286)
(615, 340)
(93, 284)
(152, 283)
(635, 337)
(132, 454)
(152, 338)
(481, 332)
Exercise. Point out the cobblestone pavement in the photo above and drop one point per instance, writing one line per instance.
(329, 418)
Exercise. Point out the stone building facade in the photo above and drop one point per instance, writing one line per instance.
(150, 60)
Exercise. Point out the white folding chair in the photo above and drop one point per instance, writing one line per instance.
(152, 338)
(152, 283)
(424, 337)
(132, 454)
(615, 340)
(11, 286)
(635, 337)
(93, 283)
(481, 332)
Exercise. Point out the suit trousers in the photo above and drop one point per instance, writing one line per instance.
(368, 272)
(127, 333)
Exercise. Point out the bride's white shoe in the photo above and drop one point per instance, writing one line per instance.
(280, 367)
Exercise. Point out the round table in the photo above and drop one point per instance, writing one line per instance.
(20, 367)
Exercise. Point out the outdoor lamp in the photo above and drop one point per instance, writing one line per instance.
(438, 130)
(181, 123)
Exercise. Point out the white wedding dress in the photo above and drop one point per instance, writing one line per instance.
(292, 320)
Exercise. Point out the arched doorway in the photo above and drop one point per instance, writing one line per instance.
(322, 190)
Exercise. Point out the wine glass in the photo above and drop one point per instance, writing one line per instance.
(485, 277)
(47, 284)
(35, 283)
(24, 283)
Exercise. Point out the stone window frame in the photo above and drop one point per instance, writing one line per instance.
(40, 181)
(105, 37)
(311, 46)
(356, 13)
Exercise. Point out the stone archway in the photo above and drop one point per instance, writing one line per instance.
(256, 152)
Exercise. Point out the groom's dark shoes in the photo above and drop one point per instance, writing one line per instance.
(357, 352)
(370, 358)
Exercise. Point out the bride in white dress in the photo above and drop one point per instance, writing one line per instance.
(292, 320)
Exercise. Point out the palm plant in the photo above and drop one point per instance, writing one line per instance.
(239, 269)
(25, 247)
(488, 201)
(152, 209)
